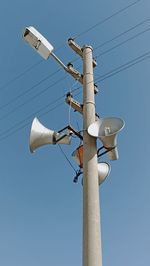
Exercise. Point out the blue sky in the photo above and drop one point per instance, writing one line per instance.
(40, 206)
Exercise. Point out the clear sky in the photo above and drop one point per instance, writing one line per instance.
(40, 206)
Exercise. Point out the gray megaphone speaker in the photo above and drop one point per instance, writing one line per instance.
(103, 171)
(106, 129)
(41, 135)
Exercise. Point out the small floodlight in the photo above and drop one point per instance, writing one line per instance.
(37, 42)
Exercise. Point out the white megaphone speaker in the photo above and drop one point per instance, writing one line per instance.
(106, 129)
(103, 168)
(41, 135)
(103, 171)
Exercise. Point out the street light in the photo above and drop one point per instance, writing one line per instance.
(38, 42)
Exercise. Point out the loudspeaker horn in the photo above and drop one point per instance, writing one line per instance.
(106, 129)
(103, 171)
(103, 168)
(40, 135)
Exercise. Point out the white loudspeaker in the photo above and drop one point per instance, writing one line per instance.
(106, 129)
(41, 135)
(103, 168)
(103, 171)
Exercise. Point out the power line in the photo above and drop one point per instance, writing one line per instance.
(25, 71)
(23, 126)
(129, 39)
(66, 158)
(124, 66)
(30, 99)
(21, 74)
(34, 114)
(105, 76)
(49, 76)
(61, 46)
(106, 19)
(101, 78)
(122, 33)
(116, 37)
(28, 90)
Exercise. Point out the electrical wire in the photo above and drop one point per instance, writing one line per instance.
(25, 71)
(99, 46)
(28, 90)
(69, 111)
(120, 44)
(101, 78)
(21, 74)
(66, 158)
(106, 19)
(61, 46)
(124, 66)
(106, 76)
(32, 115)
(30, 99)
(123, 33)
(23, 126)
(116, 37)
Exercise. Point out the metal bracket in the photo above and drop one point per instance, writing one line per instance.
(72, 131)
(106, 151)
(78, 173)
(76, 105)
(77, 75)
(73, 103)
(78, 49)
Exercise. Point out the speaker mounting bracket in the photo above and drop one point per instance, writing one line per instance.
(106, 151)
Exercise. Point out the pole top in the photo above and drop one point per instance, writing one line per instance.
(87, 46)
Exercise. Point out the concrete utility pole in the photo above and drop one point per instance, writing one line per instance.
(92, 255)
(105, 129)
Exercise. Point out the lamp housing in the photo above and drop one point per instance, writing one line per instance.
(38, 42)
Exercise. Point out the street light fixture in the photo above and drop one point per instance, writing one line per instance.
(38, 42)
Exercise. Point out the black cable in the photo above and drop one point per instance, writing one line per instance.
(101, 78)
(25, 71)
(117, 45)
(66, 158)
(106, 19)
(12, 133)
(116, 37)
(113, 74)
(80, 34)
(21, 74)
(34, 114)
(28, 90)
(122, 33)
(124, 66)
(30, 99)
(77, 36)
